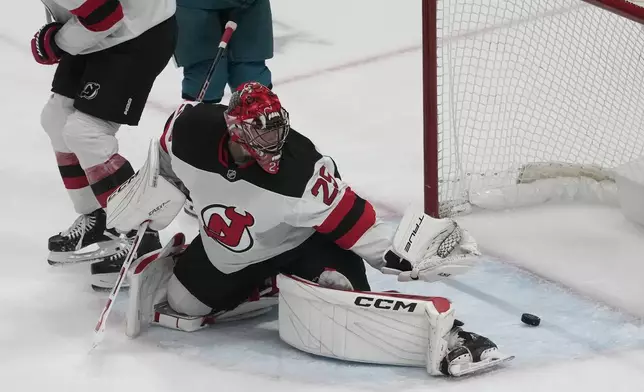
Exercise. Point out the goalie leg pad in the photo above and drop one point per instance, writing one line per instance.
(166, 314)
(148, 284)
(146, 195)
(382, 328)
(183, 302)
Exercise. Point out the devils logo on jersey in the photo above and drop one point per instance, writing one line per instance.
(228, 227)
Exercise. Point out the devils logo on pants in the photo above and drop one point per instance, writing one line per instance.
(228, 227)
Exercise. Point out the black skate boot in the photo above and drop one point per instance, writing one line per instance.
(469, 352)
(105, 272)
(85, 240)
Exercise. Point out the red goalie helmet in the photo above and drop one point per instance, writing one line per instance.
(256, 120)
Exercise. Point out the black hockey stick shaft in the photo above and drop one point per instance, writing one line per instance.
(223, 44)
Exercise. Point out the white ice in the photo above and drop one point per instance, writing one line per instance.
(350, 74)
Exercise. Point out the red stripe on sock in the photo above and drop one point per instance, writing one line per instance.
(100, 171)
(102, 198)
(66, 158)
(364, 223)
(75, 182)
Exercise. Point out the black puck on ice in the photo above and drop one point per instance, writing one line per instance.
(530, 319)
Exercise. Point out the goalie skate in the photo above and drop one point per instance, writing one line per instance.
(462, 369)
(470, 353)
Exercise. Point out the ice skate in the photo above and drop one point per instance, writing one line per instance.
(85, 240)
(469, 353)
(105, 272)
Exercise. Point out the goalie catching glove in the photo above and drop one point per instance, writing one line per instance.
(146, 196)
(429, 249)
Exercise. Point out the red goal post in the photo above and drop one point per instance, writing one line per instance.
(518, 94)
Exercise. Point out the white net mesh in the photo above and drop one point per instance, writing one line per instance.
(534, 81)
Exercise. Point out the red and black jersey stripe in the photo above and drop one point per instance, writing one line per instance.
(99, 15)
(349, 220)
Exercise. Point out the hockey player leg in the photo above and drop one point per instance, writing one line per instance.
(383, 328)
(200, 31)
(85, 239)
(93, 141)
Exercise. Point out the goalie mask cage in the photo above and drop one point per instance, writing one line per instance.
(529, 100)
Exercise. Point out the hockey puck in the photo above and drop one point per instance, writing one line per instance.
(530, 319)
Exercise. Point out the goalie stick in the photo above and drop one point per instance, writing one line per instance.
(176, 241)
(99, 330)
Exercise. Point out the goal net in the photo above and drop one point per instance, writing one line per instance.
(530, 100)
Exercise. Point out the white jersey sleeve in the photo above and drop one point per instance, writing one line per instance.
(331, 207)
(93, 25)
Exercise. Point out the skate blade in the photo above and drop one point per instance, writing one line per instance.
(105, 282)
(99, 289)
(90, 253)
(462, 369)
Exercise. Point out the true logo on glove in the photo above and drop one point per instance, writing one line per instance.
(413, 234)
(228, 227)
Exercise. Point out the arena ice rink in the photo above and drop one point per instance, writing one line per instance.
(349, 72)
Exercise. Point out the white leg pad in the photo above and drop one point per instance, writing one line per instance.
(382, 328)
(166, 317)
(148, 284)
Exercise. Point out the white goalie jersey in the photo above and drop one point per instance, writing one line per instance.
(94, 25)
(247, 216)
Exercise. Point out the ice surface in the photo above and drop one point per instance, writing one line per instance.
(352, 83)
